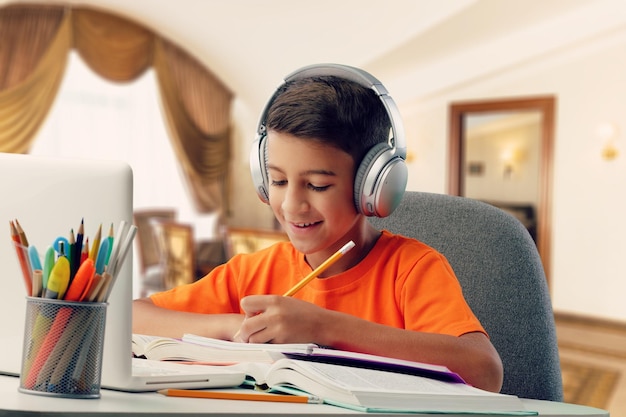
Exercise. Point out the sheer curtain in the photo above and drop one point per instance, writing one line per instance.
(94, 118)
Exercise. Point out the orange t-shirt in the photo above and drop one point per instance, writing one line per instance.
(401, 283)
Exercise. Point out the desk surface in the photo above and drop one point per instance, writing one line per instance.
(15, 403)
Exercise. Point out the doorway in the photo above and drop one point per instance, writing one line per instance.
(501, 151)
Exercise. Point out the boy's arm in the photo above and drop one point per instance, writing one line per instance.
(287, 320)
(150, 319)
(470, 355)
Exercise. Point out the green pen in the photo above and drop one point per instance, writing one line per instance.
(48, 264)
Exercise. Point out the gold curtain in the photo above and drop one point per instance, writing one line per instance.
(33, 54)
(199, 124)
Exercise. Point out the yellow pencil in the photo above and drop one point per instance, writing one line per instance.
(317, 271)
(220, 395)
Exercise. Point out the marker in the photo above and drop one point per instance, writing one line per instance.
(33, 255)
(37, 286)
(81, 280)
(50, 340)
(48, 264)
(59, 279)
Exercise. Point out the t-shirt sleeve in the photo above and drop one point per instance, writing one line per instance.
(215, 293)
(433, 300)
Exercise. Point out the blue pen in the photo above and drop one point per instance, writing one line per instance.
(35, 261)
(48, 263)
(61, 245)
(102, 256)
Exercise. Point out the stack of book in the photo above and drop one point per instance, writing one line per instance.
(345, 379)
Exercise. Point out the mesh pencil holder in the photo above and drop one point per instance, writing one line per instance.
(62, 351)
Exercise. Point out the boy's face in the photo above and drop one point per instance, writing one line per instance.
(311, 192)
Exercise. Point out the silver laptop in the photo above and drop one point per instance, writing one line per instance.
(50, 196)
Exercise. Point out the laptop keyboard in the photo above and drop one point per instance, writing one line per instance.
(145, 367)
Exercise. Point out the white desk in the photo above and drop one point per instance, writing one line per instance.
(15, 403)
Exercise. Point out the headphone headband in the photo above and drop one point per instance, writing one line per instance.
(356, 75)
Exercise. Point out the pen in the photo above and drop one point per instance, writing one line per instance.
(317, 271)
(240, 396)
(60, 246)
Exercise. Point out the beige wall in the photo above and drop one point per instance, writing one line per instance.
(589, 193)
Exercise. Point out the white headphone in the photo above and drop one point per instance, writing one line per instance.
(381, 178)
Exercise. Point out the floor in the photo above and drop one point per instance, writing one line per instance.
(593, 358)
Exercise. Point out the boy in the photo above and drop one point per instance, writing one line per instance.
(389, 295)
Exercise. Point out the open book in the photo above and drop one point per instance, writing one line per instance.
(377, 391)
(210, 351)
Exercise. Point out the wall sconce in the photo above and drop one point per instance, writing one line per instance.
(608, 134)
(410, 156)
(510, 157)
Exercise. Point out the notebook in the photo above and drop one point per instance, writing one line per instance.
(49, 196)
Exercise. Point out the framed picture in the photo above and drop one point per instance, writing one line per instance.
(251, 240)
(475, 168)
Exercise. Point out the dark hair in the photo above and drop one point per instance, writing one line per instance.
(333, 110)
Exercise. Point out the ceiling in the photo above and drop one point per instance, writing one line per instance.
(427, 44)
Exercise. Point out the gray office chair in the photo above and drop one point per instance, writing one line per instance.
(503, 280)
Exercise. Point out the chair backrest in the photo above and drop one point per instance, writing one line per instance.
(145, 220)
(503, 281)
(176, 243)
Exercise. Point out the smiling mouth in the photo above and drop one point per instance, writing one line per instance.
(305, 225)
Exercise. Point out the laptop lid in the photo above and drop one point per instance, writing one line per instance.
(49, 197)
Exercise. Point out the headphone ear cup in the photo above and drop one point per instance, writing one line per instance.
(362, 175)
(380, 182)
(258, 168)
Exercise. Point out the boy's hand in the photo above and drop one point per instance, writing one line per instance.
(278, 319)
